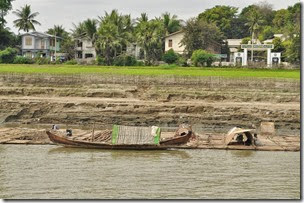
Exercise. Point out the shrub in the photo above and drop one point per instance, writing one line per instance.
(125, 60)
(170, 57)
(42, 61)
(8, 55)
(140, 63)
(201, 57)
(71, 62)
(23, 60)
(100, 61)
(182, 62)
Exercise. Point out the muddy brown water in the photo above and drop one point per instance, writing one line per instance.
(52, 172)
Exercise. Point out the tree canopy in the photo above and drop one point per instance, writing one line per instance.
(222, 16)
(26, 19)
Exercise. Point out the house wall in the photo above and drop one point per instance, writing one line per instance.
(176, 46)
(58, 44)
(133, 50)
(24, 46)
(87, 48)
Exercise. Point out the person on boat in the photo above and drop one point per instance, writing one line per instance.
(55, 127)
(256, 141)
(239, 139)
(248, 142)
(69, 132)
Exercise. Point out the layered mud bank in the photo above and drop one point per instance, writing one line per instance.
(210, 104)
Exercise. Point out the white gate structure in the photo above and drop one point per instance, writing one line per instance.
(259, 47)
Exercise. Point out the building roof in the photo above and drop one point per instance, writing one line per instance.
(234, 42)
(174, 33)
(40, 34)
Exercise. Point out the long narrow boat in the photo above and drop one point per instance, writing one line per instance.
(181, 137)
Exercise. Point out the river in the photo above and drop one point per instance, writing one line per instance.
(52, 172)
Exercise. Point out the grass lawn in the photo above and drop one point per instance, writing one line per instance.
(150, 71)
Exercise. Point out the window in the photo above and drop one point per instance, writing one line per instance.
(79, 54)
(28, 41)
(88, 55)
(52, 42)
(170, 42)
(42, 44)
(79, 44)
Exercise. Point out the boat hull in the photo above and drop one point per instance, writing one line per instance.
(166, 144)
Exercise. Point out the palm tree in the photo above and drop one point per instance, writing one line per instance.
(26, 19)
(143, 18)
(149, 36)
(57, 30)
(79, 30)
(114, 33)
(254, 21)
(90, 29)
(171, 23)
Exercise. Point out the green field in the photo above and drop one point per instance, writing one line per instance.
(150, 71)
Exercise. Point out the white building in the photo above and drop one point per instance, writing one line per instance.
(34, 43)
(233, 45)
(173, 41)
(84, 51)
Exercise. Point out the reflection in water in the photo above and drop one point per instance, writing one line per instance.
(47, 172)
(243, 153)
(116, 154)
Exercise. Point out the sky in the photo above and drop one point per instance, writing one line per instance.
(66, 12)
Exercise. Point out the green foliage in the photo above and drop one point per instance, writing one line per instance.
(182, 61)
(5, 6)
(170, 57)
(293, 50)
(156, 71)
(201, 58)
(124, 60)
(200, 34)
(222, 16)
(23, 60)
(149, 35)
(100, 61)
(71, 62)
(140, 63)
(114, 32)
(8, 55)
(42, 60)
(171, 23)
(171, 66)
(8, 39)
(245, 40)
(26, 19)
(58, 30)
(267, 33)
(278, 45)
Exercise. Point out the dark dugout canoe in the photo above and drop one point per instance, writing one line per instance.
(182, 137)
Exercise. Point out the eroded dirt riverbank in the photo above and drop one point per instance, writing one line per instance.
(210, 104)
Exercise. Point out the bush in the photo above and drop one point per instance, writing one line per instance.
(71, 62)
(201, 57)
(100, 61)
(42, 61)
(182, 62)
(140, 63)
(8, 55)
(125, 60)
(23, 60)
(170, 57)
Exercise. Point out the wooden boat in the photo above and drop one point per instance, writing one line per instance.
(182, 136)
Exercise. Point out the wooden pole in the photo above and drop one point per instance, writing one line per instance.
(93, 132)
